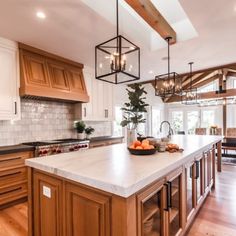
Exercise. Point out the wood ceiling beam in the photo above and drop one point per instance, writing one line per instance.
(209, 95)
(153, 17)
(230, 73)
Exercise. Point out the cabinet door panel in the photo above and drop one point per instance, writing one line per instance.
(8, 83)
(47, 208)
(87, 214)
(58, 75)
(35, 70)
(189, 189)
(76, 81)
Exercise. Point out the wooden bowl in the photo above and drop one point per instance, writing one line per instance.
(142, 151)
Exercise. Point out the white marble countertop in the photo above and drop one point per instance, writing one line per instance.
(114, 170)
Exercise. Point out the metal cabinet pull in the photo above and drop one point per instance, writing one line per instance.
(197, 170)
(106, 113)
(170, 194)
(15, 108)
(85, 112)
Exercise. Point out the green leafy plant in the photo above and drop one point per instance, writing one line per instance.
(79, 126)
(89, 130)
(136, 107)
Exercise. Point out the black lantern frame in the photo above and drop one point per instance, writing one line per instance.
(117, 60)
(190, 96)
(169, 84)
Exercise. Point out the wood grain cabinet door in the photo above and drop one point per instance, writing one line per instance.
(76, 80)
(47, 197)
(87, 213)
(58, 76)
(35, 69)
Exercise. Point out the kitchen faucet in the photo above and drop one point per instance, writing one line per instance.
(170, 131)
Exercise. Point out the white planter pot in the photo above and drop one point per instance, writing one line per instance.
(131, 136)
(88, 136)
(81, 135)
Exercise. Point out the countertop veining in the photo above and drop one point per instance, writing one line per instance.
(115, 170)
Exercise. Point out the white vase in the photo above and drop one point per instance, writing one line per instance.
(81, 136)
(88, 136)
(131, 136)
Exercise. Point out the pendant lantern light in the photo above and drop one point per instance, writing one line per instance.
(117, 60)
(168, 84)
(190, 96)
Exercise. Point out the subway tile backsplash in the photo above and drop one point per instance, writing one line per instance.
(45, 120)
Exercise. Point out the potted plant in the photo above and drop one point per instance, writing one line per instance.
(80, 127)
(134, 110)
(88, 131)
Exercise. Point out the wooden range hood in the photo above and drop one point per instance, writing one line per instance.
(50, 77)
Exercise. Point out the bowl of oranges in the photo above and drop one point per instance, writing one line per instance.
(142, 148)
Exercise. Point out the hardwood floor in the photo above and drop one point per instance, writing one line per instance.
(216, 218)
(13, 221)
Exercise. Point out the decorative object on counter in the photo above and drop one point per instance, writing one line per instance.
(80, 127)
(162, 147)
(134, 110)
(141, 137)
(117, 60)
(213, 130)
(170, 147)
(190, 95)
(168, 84)
(88, 131)
(142, 148)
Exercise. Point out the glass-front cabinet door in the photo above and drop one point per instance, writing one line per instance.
(199, 176)
(174, 199)
(190, 186)
(151, 210)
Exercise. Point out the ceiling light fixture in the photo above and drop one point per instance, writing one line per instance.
(190, 95)
(168, 84)
(41, 15)
(124, 58)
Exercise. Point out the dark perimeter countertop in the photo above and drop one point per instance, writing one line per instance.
(15, 148)
(105, 138)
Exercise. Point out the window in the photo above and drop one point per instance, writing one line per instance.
(234, 83)
(177, 119)
(213, 86)
(208, 118)
(117, 128)
(156, 121)
(192, 121)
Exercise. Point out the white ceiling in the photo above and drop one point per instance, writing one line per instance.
(206, 30)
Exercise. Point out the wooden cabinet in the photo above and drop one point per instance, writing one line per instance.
(199, 177)
(174, 202)
(209, 169)
(50, 76)
(60, 206)
(87, 213)
(190, 188)
(9, 74)
(100, 107)
(47, 206)
(13, 177)
(150, 210)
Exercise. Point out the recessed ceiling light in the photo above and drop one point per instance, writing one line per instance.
(40, 15)
(150, 72)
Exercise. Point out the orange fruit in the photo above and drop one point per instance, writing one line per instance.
(139, 147)
(137, 143)
(147, 147)
(132, 147)
(151, 147)
(145, 141)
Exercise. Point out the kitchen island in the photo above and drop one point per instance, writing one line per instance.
(108, 191)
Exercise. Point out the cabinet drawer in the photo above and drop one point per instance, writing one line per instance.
(12, 176)
(13, 160)
(13, 192)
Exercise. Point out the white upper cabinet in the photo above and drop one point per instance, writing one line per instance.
(100, 107)
(9, 77)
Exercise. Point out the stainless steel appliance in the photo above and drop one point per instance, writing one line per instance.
(47, 148)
